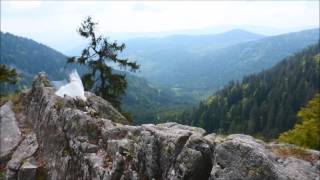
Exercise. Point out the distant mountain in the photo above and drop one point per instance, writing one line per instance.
(190, 43)
(265, 103)
(182, 63)
(161, 55)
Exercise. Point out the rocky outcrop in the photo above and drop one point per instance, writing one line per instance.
(90, 140)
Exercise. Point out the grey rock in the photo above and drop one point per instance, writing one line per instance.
(122, 146)
(298, 169)
(25, 150)
(10, 134)
(243, 157)
(118, 167)
(194, 161)
(89, 148)
(172, 151)
(211, 138)
(11, 175)
(104, 108)
(174, 125)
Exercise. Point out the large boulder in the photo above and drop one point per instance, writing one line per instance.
(243, 157)
(173, 151)
(10, 134)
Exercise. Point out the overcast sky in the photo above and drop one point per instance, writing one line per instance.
(55, 22)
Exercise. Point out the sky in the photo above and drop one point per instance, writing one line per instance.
(55, 22)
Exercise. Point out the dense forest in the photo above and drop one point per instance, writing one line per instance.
(262, 104)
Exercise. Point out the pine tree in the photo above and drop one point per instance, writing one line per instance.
(8, 75)
(100, 77)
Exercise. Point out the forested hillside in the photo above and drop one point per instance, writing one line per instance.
(197, 71)
(265, 103)
(28, 58)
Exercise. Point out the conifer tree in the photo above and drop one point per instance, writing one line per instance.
(8, 75)
(97, 57)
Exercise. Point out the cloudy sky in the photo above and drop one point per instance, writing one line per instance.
(54, 22)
